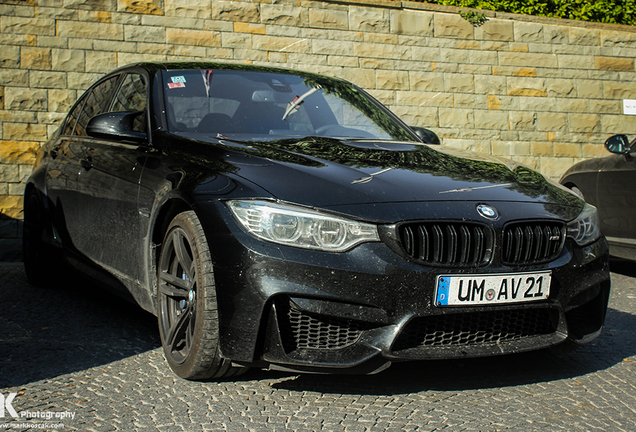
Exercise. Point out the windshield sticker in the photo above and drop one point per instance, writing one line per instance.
(178, 79)
(174, 85)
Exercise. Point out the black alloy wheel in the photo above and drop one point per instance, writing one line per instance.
(187, 309)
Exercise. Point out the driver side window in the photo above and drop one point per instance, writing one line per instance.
(95, 102)
(131, 97)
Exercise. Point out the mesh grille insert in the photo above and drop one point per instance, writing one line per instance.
(476, 328)
(303, 330)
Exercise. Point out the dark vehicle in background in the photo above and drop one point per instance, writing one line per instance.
(286, 220)
(609, 183)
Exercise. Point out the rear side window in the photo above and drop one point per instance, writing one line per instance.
(73, 115)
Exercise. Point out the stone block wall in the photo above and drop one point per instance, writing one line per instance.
(545, 92)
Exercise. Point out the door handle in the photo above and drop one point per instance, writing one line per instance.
(54, 151)
(87, 163)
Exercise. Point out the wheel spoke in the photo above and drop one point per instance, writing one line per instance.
(188, 336)
(173, 286)
(179, 243)
(179, 329)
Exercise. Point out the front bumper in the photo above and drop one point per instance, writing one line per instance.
(356, 312)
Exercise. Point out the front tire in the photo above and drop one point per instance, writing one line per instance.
(186, 303)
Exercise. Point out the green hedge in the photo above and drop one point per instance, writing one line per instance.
(604, 11)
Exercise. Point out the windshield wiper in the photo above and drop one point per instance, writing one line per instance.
(293, 105)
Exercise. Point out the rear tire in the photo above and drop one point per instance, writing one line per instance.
(41, 263)
(186, 303)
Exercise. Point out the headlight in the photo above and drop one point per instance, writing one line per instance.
(300, 227)
(584, 229)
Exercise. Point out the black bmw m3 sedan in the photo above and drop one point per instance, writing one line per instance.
(286, 220)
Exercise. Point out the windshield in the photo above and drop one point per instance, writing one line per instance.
(249, 104)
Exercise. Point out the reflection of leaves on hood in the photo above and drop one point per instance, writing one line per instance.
(318, 152)
(534, 184)
(275, 150)
(420, 159)
(310, 151)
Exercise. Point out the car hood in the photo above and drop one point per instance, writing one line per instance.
(326, 172)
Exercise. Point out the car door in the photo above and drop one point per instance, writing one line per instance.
(65, 170)
(111, 169)
(617, 197)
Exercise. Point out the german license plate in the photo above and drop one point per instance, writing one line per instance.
(468, 290)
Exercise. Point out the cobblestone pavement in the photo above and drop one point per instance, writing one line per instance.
(77, 351)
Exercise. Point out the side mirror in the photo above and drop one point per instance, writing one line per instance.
(617, 144)
(116, 126)
(425, 135)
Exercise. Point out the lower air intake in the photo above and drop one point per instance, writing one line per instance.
(476, 328)
(303, 330)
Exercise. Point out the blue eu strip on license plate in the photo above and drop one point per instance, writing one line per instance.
(468, 290)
